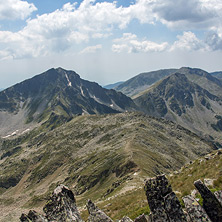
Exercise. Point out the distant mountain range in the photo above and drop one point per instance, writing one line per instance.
(217, 74)
(142, 81)
(57, 92)
(188, 96)
(58, 128)
(112, 86)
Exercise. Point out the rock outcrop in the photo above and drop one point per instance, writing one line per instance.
(194, 210)
(142, 218)
(125, 219)
(33, 216)
(61, 207)
(210, 203)
(163, 202)
(95, 214)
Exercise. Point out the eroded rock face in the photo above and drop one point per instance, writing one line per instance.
(195, 211)
(210, 203)
(163, 203)
(62, 206)
(95, 214)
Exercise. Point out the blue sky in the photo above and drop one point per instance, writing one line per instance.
(107, 41)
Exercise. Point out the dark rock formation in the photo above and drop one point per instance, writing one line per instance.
(163, 202)
(195, 211)
(173, 208)
(33, 216)
(62, 206)
(210, 203)
(95, 214)
(142, 218)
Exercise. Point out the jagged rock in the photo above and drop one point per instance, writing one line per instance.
(142, 218)
(218, 195)
(24, 218)
(62, 206)
(210, 203)
(95, 214)
(163, 203)
(173, 208)
(156, 188)
(195, 211)
(125, 219)
(33, 216)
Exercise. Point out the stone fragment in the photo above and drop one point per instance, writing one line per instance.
(195, 211)
(142, 218)
(218, 195)
(208, 182)
(24, 218)
(125, 219)
(210, 203)
(33, 216)
(95, 214)
(62, 206)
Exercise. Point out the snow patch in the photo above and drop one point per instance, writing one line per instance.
(69, 83)
(12, 134)
(81, 91)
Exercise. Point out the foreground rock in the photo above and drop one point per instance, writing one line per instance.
(33, 216)
(211, 204)
(95, 214)
(60, 208)
(125, 219)
(195, 211)
(142, 218)
(163, 202)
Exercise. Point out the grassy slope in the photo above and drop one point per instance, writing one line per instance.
(104, 158)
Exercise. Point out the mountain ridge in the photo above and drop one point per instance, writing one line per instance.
(60, 92)
(178, 99)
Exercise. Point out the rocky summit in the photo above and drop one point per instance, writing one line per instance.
(55, 96)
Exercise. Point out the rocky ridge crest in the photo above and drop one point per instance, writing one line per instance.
(163, 203)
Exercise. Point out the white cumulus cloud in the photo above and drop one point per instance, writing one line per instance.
(73, 24)
(130, 43)
(189, 42)
(91, 49)
(15, 9)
